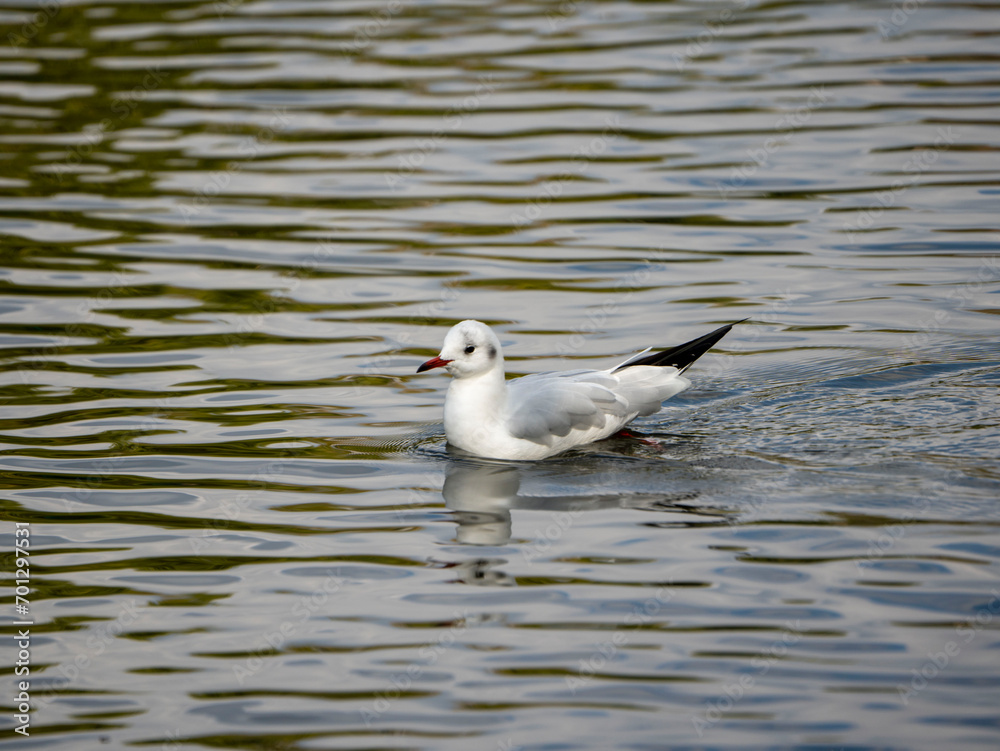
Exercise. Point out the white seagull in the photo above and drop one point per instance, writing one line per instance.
(542, 414)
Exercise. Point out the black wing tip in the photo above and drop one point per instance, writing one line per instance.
(684, 355)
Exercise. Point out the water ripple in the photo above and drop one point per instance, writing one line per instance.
(231, 230)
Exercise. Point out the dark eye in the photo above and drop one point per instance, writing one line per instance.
(470, 349)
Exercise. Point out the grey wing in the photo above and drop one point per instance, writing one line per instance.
(545, 406)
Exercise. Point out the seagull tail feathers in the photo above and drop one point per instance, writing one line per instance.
(683, 355)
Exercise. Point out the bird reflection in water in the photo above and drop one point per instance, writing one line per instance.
(481, 495)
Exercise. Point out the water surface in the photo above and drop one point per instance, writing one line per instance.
(231, 231)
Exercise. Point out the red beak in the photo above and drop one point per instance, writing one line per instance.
(434, 362)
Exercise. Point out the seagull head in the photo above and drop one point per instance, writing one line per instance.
(470, 349)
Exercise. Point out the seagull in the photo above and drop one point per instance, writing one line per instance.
(543, 414)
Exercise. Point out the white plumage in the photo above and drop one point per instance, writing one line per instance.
(540, 415)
